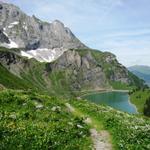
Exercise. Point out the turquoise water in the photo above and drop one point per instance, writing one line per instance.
(117, 100)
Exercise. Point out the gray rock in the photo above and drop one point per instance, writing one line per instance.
(3, 38)
(83, 70)
(32, 33)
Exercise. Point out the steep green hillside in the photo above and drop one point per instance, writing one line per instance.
(9, 80)
(147, 107)
(139, 97)
(34, 121)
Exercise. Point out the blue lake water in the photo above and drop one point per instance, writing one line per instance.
(117, 100)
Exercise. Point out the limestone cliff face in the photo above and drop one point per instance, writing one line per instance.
(32, 33)
(83, 71)
(115, 71)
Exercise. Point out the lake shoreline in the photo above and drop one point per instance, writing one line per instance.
(133, 105)
(130, 108)
(102, 91)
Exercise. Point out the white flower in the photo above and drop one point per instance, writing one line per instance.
(79, 126)
(39, 106)
(56, 108)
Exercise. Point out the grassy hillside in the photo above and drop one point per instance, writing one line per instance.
(9, 80)
(147, 107)
(128, 132)
(34, 121)
(139, 97)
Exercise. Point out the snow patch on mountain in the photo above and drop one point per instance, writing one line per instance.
(13, 24)
(11, 43)
(44, 54)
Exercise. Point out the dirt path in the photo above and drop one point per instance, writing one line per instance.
(101, 139)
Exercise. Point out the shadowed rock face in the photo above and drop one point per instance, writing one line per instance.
(3, 38)
(32, 33)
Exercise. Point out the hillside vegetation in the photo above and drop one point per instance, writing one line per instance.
(139, 98)
(34, 121)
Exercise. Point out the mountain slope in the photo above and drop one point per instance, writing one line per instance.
(73, 72)
(34, 121)
(142, 72)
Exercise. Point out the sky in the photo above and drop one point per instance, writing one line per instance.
(118, 26)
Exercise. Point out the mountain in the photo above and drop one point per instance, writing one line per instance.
(75, 71)
(41, 40)
(44, 70)
(142, 72)
(63, 64)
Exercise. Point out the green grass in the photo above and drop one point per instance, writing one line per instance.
(128, 132)
(139, 98)
(121, 86)
(11, 81)
(33, 121)
(3, 49)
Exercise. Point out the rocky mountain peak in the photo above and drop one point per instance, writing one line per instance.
(31, 33)
(57, 23)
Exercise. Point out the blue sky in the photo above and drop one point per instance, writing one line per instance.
(118, 26)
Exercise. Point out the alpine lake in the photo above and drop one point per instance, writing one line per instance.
(115, 99)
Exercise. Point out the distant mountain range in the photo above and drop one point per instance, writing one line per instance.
(142, 72)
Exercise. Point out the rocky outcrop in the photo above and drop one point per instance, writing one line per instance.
(84, 73)
(3, 38)
(12, 62)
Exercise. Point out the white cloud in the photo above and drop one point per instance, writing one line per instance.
(133, 32)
